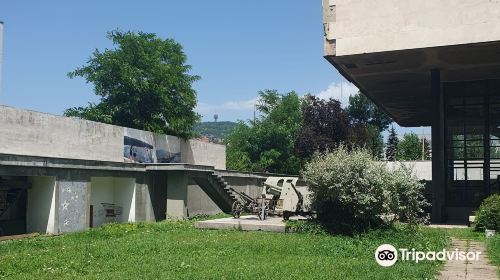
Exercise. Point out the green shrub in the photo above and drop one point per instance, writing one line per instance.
(352, 192)
(488, 215)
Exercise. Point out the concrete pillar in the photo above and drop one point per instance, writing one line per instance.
(73, 205)
(177, 182)
(143, 205)
(438, 149)
(41, 206)
(124, 196)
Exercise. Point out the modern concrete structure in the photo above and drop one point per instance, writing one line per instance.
(1, 54)
(430, 63)
(61, 174)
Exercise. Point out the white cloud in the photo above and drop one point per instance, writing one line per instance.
(340, 91)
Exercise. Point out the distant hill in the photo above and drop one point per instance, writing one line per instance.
(214, 129)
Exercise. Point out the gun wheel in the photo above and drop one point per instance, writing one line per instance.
(236, 209)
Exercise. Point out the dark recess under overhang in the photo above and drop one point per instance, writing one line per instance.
(399, 81)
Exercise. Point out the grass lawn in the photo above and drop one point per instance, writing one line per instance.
(493, 247)
(176, 250)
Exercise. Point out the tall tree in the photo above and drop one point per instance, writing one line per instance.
(392, 145)
(325, 126)
(375, 141)
(427, 149)
(409, 148)
(143, 83)
(362, 110)
(266, 144)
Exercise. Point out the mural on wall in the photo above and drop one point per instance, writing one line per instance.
(138, 146)
(168, 149)
(146, 147)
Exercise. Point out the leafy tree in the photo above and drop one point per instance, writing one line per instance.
(325, 126)
(143, 83)
(94, 112)
(362, 110)
(427, 149)
(409, 148)
(375, 141)
(357, 136)
(266, 144)
(392, 145)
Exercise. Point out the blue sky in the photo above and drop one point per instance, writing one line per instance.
(237, 47)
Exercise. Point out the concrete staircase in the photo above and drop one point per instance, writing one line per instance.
(218, 190)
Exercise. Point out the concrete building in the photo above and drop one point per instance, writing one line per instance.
(430, 63)
(61, 174)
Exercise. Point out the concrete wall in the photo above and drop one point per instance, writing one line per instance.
(361, 26)
(31, 133)
(102, 191)
(202, 153)
(421, 169)
(199, 203)
(117, 191)
(41, 206)
(177, 183)
(73, 203)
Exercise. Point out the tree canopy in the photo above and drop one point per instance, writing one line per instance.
(266, 144)
(292, 129)
(362, 110)
(409, 148)
(144, 83)
(392, 145)
(325, 126)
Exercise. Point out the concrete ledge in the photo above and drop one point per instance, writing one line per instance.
(66, 163)
(246, 223)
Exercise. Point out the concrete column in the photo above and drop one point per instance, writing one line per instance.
(438, 149)
(143, 206)
(124, 196)
(73, 205)
(177, 182)
(41, 206)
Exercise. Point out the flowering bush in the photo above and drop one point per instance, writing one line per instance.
(352, 192)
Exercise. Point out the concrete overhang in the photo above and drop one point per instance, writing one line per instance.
(25, 163)
(399, 81)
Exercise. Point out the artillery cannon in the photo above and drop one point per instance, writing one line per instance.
(280, 197)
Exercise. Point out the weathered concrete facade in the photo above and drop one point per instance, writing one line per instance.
(359, 26)
(31, 133)
(430, 63)
(26, 132)
(62, 174)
